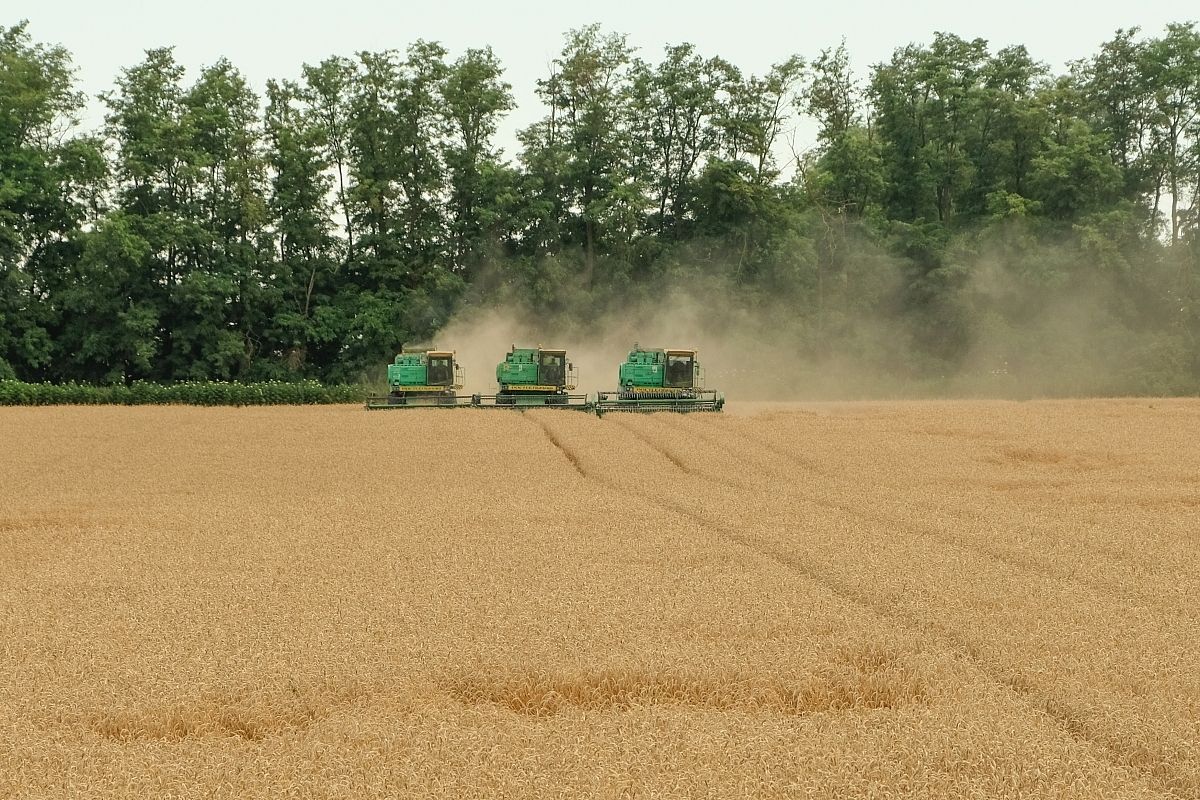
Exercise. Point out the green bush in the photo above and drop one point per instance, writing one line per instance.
(192, 393)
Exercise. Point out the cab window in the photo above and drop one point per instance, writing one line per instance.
(441, 371)
(551, 370)
(679, 370)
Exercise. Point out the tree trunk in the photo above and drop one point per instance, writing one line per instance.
(345, 211)
(589, 257)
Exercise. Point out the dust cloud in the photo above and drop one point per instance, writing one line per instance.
(999, 333)
(745, 351)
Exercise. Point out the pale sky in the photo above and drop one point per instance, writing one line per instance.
(273, 39)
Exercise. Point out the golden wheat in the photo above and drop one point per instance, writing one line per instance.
(884, 600)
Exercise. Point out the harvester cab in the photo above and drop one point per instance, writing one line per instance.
(660, 379)
(422, 378)
(535, 376)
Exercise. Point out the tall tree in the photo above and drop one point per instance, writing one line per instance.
(419, 142)
(327, 92)
(1172, 70)
(673, 129)
(307, 252)
(582, 146)
(845, 176)
(924, 100)
(156, 174)
(216, 307)
(475, 98)
(51, 182)
(1113, 83)
(1073, 173)
(1005, 128)
(756, 111)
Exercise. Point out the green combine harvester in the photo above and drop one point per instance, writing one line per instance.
(660, 380)
(422, 379)
(535, 377)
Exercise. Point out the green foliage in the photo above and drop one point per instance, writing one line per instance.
(960, 208)
(192, 393)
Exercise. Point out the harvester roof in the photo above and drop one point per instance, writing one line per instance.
(538, 349)
(675, 351)
(669, 351)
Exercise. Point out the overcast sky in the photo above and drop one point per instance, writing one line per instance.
(273, 39)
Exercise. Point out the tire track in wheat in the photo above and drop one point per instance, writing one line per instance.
(571, 457)
(1163, 775)
(678, 461)
(822, 496)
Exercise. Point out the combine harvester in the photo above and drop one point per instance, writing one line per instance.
(535, 377)
(660, 380)
(422, 379)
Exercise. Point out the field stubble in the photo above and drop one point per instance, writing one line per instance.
(925, 599)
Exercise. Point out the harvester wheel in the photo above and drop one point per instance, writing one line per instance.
(397, 400)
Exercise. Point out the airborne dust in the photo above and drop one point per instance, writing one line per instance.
(1073, 331)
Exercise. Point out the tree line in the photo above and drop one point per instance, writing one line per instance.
(962, 207)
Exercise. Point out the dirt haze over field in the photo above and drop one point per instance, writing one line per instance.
(927, 599)
(1011, 317)
(741, 351)
(1068, 347)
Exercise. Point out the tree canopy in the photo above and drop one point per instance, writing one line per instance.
(961, 206)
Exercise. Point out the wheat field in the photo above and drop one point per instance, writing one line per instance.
(941, 599)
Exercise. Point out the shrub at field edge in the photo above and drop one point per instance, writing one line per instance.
(196, 393)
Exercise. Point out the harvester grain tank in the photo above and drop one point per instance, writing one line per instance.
(660, 380)
(421, 379)
(535, 377)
